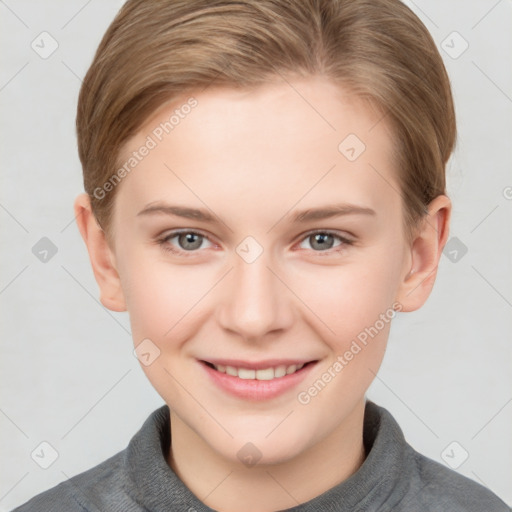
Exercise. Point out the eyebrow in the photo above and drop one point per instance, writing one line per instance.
(324, 212)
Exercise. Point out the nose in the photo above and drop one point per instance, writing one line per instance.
(256, 301)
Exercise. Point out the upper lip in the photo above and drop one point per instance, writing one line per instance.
(258, 365)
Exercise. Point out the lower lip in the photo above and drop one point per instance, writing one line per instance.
(257, 390)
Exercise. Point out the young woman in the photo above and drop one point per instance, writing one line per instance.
(264, 191)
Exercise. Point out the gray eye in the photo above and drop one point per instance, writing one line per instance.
(321, 241)
(190, 241)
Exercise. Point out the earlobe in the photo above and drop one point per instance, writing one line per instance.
(426, 249)
(100, 254)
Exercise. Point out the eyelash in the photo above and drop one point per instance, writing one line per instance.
(165, 245)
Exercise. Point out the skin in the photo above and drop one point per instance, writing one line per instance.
(254, 157)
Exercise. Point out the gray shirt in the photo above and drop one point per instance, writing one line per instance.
(394, 477)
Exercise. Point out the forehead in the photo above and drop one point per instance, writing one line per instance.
(271, 146)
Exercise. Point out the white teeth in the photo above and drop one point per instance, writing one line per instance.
(265, 374)
(231, 370)
(246, 374)
(291, 369)
(280, 371)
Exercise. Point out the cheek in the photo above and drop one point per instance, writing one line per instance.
(166, 306)
(355, 308)
(164, 300)
(354, 305)
(348, 298)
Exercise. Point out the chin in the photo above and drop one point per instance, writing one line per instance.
(263, 450)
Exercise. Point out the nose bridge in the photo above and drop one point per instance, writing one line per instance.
(256, 301)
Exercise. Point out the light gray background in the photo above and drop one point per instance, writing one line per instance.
(68, 373)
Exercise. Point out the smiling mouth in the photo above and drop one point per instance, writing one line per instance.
(270, 373)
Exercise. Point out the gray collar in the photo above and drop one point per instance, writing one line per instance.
(380, 476)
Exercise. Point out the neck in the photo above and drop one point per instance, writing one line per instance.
(229, 486)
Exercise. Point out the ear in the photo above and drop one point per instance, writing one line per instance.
(100, 254)
(425, 252)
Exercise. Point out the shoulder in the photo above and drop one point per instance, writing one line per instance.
(440, 488)
(115, 483)
(411, 481)
(97, 488)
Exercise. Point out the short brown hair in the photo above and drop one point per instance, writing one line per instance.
(155, 50)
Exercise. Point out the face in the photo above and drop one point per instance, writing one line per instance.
(260, 249)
